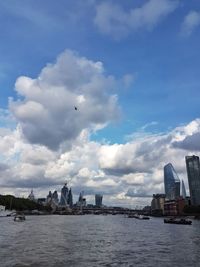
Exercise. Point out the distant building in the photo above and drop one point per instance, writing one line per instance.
(193, 172)
(171, 182)
(41, 201)
(98, 200)
(49, 197)
(64, 195)
(70, 198)
(157, 204)
(2, 208)
(174, 207)
(55, 197)
(31, 196)
(181, 203)
(170, 208)
(183, 190)
(81, 201)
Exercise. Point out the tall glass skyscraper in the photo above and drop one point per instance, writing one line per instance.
(64, 195)
(70, 198)
(193, 172)
(183, 190)
(172, 182)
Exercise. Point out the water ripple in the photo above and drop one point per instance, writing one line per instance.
(89, 241)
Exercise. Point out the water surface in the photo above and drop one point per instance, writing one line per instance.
(91, 240)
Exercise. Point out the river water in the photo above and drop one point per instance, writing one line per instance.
(91, 240)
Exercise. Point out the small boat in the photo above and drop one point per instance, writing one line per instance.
(145, 217)
(178, 221)
(137, 216)
(19, 218)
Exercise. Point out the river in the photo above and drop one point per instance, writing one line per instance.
(92, 240)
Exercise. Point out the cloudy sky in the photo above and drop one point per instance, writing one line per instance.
(131, 68)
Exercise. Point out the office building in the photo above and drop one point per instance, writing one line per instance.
(193, 172)
(183, 190)
(55, 197)
(70, 198)
(157, 204)
(49, 197)
(98, 200)
(81, 201)
(64, 195)
(171, 182)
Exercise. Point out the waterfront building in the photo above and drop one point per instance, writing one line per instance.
(183, 190)
(81, 201)
(41, 201)
(174, 207)
(181, 203)
(98, 200)
(157, 204)
(55, 197)
(170, 208)
(49, 197)
(2, 208)
(64, 195)
(31, 196)
(70, 198)
(171, 182)
(193, 172)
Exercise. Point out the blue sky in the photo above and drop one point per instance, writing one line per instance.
(150, 48)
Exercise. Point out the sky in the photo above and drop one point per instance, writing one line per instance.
(131, 68)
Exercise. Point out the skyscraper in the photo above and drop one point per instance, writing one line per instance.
(98, 200)
(55, 197)
(70, 198)
(64, 195)
(183, 190)
(171, 182)
(193, 172)
(49, 197)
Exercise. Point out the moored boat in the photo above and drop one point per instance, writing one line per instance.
(19, 218)
(178, 221)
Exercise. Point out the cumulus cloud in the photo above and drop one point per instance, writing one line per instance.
(190, 23)
(123, 173)
(137, 193)
(191, 142)
(45, 109)
(112, 19)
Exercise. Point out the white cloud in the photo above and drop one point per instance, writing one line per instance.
(128, 79)
(36, 16)
(123, 173)
(112, 19)
(133, 179)
(190, 23)
(46, 112)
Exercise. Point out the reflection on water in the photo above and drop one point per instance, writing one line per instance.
(97, 241)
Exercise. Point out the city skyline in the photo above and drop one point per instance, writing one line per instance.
(101, 94)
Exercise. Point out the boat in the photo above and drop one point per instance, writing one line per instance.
(19, 218)
(178, 221)
(137, 216)
(145, 217)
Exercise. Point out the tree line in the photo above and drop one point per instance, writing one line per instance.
(17, 203)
